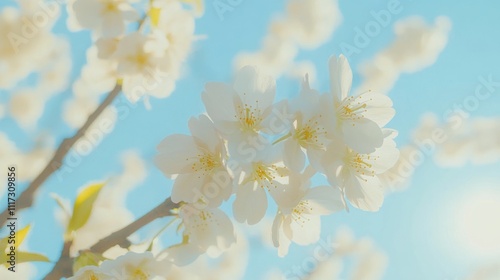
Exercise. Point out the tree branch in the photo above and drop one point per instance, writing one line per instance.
(25, 200)
(63, 267)
(120, 236)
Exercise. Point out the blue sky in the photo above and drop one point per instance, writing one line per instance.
(409, 227)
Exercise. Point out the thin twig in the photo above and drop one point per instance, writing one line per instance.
(25, 200)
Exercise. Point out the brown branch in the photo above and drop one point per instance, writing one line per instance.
(63, 267)
(25, 200)
(120, 236)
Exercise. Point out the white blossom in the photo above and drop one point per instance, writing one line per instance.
(198, 162)
(359, 118)
(357, 174)
(299, 211)
(107, 18)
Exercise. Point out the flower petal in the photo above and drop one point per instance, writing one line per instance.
(324, 200)
(363, 136)
(254, 88)
(218, 100)
(340, 77)
(378, 107)
(250, 204)
(306, 230)
(176, 154)
(364, 192)
(293, 156)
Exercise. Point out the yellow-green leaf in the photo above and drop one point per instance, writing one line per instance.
(85, 259)
(83, 206)
(154, 15)
(20, 236)
(30, 257)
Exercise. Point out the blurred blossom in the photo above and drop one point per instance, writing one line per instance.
(128, 266)
(349, 258)
(105, 18)
(29, 47)
(370, 262)
(26, 107)
(397, 178)
(32, 162)
(306, 24)
(57, 68)
(77, 110)
(416, 46)
(146, 62)
(23, 271)
(25, 44)
(98, 76)
(475, 140)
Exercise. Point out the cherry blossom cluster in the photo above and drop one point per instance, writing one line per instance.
(129, 266)
(142, 47)
(254, 148)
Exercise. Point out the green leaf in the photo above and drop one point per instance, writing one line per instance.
(85, 259)
(83, 206)
(20, 236)
(30, 257)
(154, 15)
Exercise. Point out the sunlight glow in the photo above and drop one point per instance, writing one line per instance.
(477, 223)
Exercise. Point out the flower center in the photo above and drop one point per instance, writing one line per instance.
(195, 219)
(205, 163)
(310, 134)
(110, 6)
(249, 117)
(351, 109)
(359, 162)
(265, 175)
(139, 274)
(298, 210)
(141, 59)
